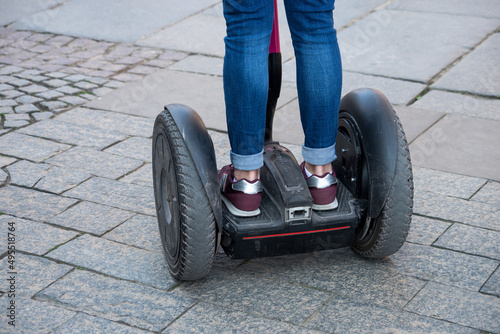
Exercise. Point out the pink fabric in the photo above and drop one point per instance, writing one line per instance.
(274, 47)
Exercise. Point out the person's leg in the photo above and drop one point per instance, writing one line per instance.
(246, 82)
(319, 85)
(319, 78)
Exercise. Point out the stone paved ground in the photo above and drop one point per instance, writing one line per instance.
(78, 99)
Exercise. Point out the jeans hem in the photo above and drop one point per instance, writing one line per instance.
(319, 156)
(247, 162)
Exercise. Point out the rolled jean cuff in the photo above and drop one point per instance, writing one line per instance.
(247, 162)
(319, 156)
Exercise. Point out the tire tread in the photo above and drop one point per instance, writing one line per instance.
(197, 226)
(393, 223)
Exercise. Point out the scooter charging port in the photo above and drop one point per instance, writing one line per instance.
(298, 213)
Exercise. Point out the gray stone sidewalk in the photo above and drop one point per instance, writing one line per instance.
(80, 84)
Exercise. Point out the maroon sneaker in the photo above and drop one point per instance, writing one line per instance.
(323, 189)
(242, 198)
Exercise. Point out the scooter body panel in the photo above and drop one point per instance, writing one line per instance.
(287, 224)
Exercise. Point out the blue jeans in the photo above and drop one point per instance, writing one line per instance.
(246, 81)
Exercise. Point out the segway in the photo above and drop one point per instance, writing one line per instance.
(375, 188)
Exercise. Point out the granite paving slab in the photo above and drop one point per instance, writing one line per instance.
(209, 318)
(52, 94)
(260, 296)
(488, 194)
(221, 146)
(134, 147)
(118, 194)
(424, 231)
(33, 89)
(44, 176)
(443, 183)
(471, 240)
(200, 64)
(73, 134)
(462, 104)
(116, 300)
(224, 261)
(14, 123)
(341, 272)
(109, 121)
(25, 108)
(4, 178)
(147, 97)
(416, 121)
(482, 8)
(90, 217)
(203, 93)
(59, 180)
(480, 68)
(492, 286)
(30, 148)
(116, 259)
(34, 317)
(440, 148)
(28, 235)
(287, 127)
(463, 307)
(119, 21)
(377, 44)
(95, 162)
(399, 92)
(32, 204)
(26, 173)
(337, 317)
(34, 273)
(14, 10)
(347, 11)
(443, 266)
(199, 33)
(456, 209)
(143, 176)
(140, 231)
(288, 93)
(204, 34)
(9, 102)
(5, 161)
(84, 323)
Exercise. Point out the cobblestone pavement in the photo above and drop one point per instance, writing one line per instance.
(76, 191)
(44, 74)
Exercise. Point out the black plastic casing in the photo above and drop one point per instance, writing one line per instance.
(367, 147)
(274, 69)
(274, 232)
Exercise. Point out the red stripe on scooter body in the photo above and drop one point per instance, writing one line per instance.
(296, 233)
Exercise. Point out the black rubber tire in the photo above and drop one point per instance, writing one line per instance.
(389, 230)
(188, 230)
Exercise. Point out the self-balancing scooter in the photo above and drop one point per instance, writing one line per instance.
(375, 189)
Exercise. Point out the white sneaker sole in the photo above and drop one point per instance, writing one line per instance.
(325, 207)
(237, 212)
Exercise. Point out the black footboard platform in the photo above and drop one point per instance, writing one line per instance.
(286, 223)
